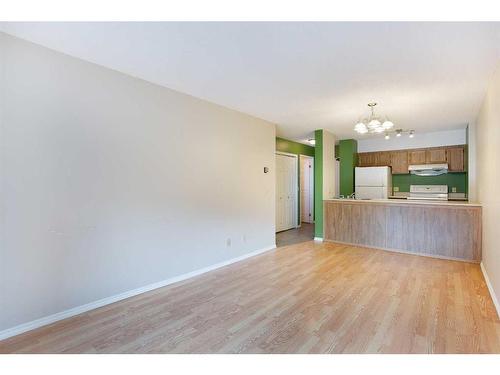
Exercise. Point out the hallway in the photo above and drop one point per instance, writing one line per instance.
(295, 236)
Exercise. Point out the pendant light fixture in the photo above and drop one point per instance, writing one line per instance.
(379, 125)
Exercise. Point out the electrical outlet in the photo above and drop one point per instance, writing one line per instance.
(396, 188)
(454, 189)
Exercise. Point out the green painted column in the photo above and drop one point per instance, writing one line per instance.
(318, 184)
(348, 154)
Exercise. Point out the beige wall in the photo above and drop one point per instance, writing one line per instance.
(109, 183)
(488, 179)
(329, 166)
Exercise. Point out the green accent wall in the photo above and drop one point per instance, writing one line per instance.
(318, 184)
(458, 180)
(285, 145)
(291, 147)
(348, 155)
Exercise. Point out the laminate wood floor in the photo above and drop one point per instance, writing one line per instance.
(294, 236)
(305, 298)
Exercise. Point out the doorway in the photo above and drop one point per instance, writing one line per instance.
(306, 189)
(286, 191)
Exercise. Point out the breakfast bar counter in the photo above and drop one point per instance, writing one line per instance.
(441, 229)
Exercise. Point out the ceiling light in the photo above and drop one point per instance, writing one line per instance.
(372, 124)
(412, 133)
(311, 141)
(387, 125)
(398, 133)
(361, 128)
(387, 136)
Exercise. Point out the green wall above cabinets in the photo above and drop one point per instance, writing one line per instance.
(284, 145)
(348, 155)
(458, 180)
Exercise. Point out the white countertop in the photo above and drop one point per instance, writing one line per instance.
(408, 202)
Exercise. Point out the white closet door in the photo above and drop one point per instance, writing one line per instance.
(286, 192)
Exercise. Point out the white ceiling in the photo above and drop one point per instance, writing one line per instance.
(301, 76)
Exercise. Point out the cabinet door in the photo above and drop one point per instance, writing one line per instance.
(362, 159)
(416, 157)
(399, 162)
(384, 159)
(455, 159)
(366, 159)
(435, 155)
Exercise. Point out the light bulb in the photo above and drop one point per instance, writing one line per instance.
(374, 124)
(360, 128)
(412, 133)
(387, 125)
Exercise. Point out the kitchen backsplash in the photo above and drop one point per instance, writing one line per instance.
(453, 180)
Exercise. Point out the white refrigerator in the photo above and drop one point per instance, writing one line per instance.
(373, 182)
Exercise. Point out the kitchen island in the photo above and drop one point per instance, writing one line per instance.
(449, 230)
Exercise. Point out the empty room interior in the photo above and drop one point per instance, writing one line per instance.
(249, 187)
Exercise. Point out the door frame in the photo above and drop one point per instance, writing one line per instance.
(297, 191)
(311, 192)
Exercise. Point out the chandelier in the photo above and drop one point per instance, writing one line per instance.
(373, 124)
(378, 125)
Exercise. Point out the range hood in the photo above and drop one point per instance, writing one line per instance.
(428, 169)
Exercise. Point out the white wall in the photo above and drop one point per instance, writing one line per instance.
(488, 179)
(329, 166)
(434, 139)
(109, 183)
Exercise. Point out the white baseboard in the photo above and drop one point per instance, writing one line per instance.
(318, 239)
(17, 330)
(491, 290)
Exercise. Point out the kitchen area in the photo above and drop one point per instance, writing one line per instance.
(411, 200)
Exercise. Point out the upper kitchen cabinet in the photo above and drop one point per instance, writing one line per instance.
(435, 156)
(417, 156)
(455, 157)
(399, 162)
(383, 159)
(367, 159)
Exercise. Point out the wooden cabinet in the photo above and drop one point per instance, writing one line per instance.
(374, 159)
(366, 159)
(416, 156)
(455, 159)
(383, 159)
(435, 156)
(399, 162)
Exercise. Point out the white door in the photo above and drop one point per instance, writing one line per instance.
(286, 192)
(306, 188)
